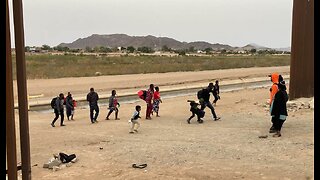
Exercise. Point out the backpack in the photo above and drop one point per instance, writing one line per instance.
(53, 102)
(199, 94)
(64, 158)
(142, 94)
(201, 113)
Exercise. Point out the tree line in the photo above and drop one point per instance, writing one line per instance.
(145, 49)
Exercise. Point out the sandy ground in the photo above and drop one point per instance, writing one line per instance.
(173, 149)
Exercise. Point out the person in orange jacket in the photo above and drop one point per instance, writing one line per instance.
(274, 87)
(273, 90)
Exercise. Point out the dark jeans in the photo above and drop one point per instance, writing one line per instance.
(209, 105)
(68, 111)
(277, 123)
(94, 107)
(57, 116)
(193, 114)
(216, 98)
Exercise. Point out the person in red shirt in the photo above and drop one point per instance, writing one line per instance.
(156, 101)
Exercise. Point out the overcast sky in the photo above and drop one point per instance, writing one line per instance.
(232, 22)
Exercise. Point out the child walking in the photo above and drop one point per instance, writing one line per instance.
(195, 110)
(113, 105)
(156, 101)
(134, 120)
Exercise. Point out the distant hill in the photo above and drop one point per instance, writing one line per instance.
(117, 40)
(123, 40)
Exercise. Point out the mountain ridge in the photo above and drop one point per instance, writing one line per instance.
(124, 40)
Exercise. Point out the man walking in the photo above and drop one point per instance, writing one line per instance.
(58, 110)
(69, 106)
(204, 97)
(92, 98)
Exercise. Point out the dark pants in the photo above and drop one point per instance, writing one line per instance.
(149, 110)
(273, 121)
(209, 105)
(278, 124)
(196, 112)
(56, 112)
(93, 117)
(216, 98)
(68, 111)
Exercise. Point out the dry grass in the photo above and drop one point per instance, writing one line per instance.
(45, 66)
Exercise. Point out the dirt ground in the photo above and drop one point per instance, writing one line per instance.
(225, 149)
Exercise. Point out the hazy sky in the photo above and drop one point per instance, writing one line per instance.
(233, 22)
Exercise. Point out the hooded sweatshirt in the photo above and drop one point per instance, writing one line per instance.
(274, 87)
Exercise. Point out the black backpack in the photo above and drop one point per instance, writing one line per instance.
(64, 158)
(199, 94)
(53, 102)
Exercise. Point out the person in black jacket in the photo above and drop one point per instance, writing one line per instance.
(92, 98)
(216, 92)
(69, 106)
(279, 108)
(195, 111)
(58, 110)
(204, 100)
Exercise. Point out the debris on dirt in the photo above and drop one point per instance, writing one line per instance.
(295, 105)
(263, 136)
(59, 161)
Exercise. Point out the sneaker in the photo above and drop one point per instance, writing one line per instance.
(62, 125)
(135, 130)
(272, 131)
(107, 118)
(131, 132)
(217, 118)
(277, 134)
(53, 125)
(117, 119)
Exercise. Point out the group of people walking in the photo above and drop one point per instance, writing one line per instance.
(152, 100)
(278, 110)
(58, 106)
(204, 101)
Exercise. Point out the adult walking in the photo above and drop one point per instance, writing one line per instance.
(204, 97)
(92, 98)
(149, 99)
(58, 110)
(69, 106)
(274, 77)
(279, 108)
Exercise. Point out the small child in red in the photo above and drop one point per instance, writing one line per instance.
(156, 101)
